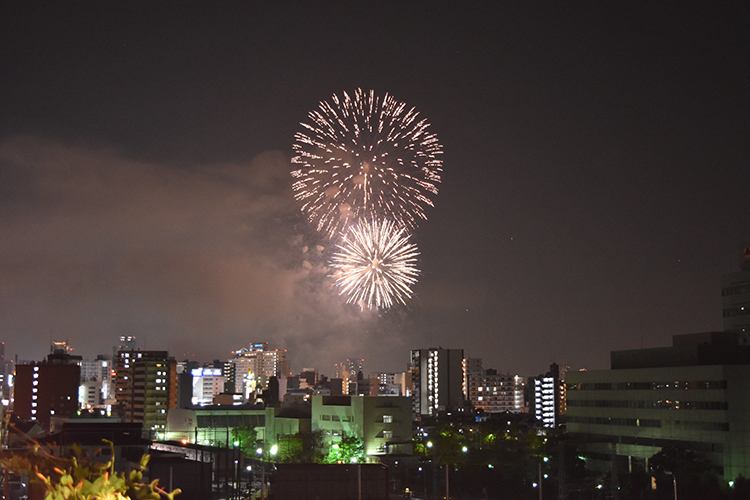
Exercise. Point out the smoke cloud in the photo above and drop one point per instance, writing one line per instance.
(198, 260)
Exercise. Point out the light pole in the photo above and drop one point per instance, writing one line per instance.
(274, 449)
(674, 482)
(259, 452)
(435, 469)
(544, 459)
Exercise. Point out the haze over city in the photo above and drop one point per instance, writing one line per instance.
(594, 184)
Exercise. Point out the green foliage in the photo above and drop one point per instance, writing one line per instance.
(350, 449)
(245, 438)
(448, 445)
(300, 448)
(77, 478)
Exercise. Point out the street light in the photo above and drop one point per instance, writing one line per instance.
(274, 449)
(259, 452)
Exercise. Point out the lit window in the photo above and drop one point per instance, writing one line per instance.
(387, 419)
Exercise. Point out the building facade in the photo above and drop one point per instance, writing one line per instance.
(146, 388)
(437, 380)
(493, 392)
(349, 370)
(694, 395)
(735, 295)
(48, 388)
(548, 402)
(391, 384)
(383, 423)
(97, 377)
(207, 384)
(253, 367)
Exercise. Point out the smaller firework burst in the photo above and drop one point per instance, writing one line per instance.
(375, 265)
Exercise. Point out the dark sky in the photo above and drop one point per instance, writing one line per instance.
(595, 181)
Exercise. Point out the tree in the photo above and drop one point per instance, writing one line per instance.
(300, 448)
(245, 438)
(349, 450)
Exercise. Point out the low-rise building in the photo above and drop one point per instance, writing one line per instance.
(383, 423)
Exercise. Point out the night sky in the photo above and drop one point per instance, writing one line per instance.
(596, 175)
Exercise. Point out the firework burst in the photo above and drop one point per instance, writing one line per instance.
(365, 157)
(375, 265)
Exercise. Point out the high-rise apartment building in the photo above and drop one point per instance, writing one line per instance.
(492, 392)
(124, 343)
(48, 388)
(254, 366)
(735, 296)
(348, 371)
(146, 388)
(548, 402)
(437, 380)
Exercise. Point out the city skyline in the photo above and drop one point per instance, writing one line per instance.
(593, 188)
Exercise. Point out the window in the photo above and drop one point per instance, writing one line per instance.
(388, 434)
(387, 419)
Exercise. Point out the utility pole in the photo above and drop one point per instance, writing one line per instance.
(561, 472)
(540, 480)
(447, 483)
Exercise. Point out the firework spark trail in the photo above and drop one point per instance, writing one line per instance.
(375, 265)
(363, 158)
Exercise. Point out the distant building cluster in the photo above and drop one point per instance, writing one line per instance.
(694, 394)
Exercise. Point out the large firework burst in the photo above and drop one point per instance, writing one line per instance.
(365, 157)
(375, 265)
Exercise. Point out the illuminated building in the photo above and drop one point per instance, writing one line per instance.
(735, 295)
(383, 423)
(348, 371)
(391, 384)
(48, 388)
(127, 343)
(207, 383)
(96, 376)
(146, 387)
(254, 366)
(694, 395)
(548, 402)
(492, 392)
(437, 380)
